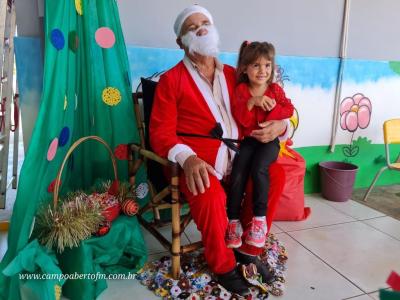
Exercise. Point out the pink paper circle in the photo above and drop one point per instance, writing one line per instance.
(105, 37)
(51, 153)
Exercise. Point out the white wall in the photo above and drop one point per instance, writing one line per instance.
(374, 29)
(305, 28)
(296, 27)
(29, 21)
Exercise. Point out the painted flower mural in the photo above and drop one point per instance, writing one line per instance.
(280, 76)
(355, 112)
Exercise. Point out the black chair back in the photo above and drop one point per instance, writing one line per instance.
(155, 171)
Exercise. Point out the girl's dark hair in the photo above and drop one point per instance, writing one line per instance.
(249, 53)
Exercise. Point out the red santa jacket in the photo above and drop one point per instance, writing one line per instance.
(249, 120)
(180, 105)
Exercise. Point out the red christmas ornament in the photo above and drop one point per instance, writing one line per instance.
(121, 152)
(130, 207)
(112, 212)
(104, 228)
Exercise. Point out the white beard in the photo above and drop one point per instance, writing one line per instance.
(206, 45)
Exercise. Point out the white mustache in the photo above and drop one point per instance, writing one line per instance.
(206, 45)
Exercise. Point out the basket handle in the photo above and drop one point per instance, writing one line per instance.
(70, 150)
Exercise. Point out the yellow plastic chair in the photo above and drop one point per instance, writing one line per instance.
(391, 135)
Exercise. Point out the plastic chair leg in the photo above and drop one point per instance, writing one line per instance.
(373, 182)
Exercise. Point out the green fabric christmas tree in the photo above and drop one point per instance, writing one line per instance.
(86, 91)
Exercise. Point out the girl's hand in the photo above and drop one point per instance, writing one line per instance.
(269, 103)
(264, 102)
(258, 101)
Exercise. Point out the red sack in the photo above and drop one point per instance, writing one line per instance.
(291, 203)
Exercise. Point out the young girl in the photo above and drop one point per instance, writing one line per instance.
(257, 99)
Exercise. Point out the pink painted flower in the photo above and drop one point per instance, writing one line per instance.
(355, 112)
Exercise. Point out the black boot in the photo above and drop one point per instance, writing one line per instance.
(234, 282)
(265, 271)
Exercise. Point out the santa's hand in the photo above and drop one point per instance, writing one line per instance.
(196, 173)
(269, 131)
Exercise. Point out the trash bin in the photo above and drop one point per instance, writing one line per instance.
(337, 180)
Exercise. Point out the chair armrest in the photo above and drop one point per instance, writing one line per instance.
(134, 165)
(150, 155)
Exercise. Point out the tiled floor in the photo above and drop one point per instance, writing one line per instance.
(343, 251)
(3, 243)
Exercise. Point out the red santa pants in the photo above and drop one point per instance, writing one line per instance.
(209, 214)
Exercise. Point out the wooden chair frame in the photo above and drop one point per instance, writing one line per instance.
(139, 155)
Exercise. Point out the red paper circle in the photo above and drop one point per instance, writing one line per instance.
(51, 186)
(121, 152)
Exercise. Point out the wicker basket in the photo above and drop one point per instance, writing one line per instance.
(109, 213)
(76, 220)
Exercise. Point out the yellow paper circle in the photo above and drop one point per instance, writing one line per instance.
(111, 96)
(78, 7)
(57, 291)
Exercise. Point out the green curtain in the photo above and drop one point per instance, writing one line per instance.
(389, 295)
(36, 259)
(73, 85)
(108, 254)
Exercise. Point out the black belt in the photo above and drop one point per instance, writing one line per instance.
(215, 134)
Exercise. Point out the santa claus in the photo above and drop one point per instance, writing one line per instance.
(192, 100)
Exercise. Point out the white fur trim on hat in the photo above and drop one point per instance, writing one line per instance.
(187, 12)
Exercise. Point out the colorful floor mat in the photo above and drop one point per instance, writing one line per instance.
(196, 281)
